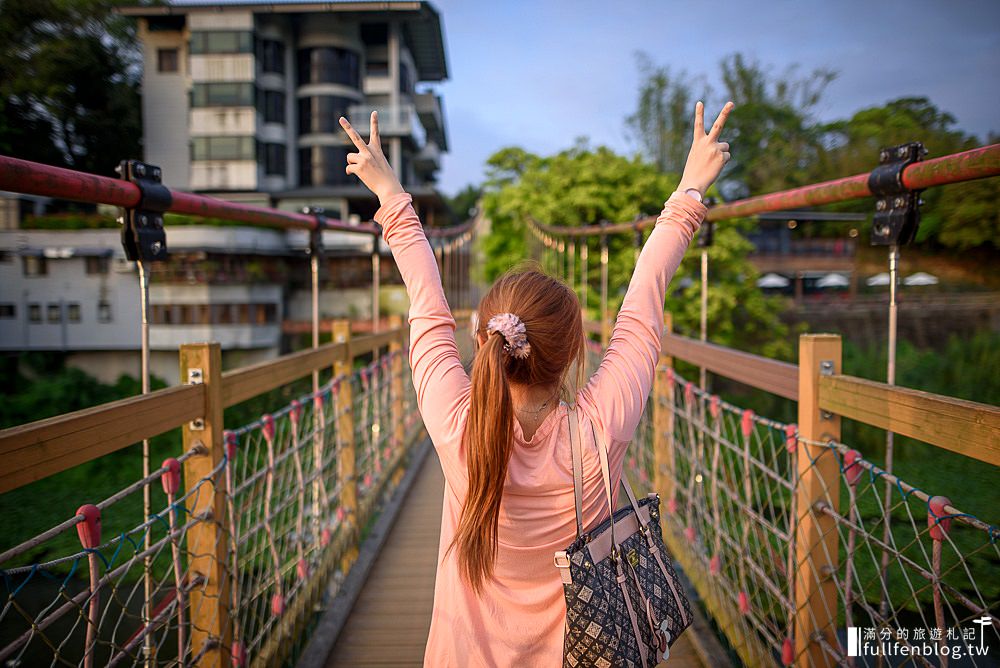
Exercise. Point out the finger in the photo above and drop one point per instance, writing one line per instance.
(351, 169)
(723, 146)
(374, 126)
(353, 134)
(726, 156)
(699, 120)
(720, 122)
(353, 158)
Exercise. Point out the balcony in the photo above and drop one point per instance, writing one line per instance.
(431, 114)
(401, 121)
(429, 157)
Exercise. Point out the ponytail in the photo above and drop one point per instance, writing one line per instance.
(488, 440)
(551, 339)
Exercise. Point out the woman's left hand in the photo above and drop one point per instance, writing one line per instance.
(369, 163)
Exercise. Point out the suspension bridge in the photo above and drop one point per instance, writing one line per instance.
(307, 534)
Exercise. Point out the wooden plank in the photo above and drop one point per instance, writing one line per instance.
(966, 427)
(366, 344)
(247, 382)
(39, 449)
(780, 378)
(816, 538)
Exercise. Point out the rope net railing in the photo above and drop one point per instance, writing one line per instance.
(280, 543)
(896, 564)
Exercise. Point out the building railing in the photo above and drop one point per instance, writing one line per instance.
(400, 120)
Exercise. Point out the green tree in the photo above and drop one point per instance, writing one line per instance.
(69, 83)
(774, 136)
(464, 203)
(584, 185)
(662, 122)
(959, 216)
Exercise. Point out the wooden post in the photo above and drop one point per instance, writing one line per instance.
(663, 426)
(207, 541)
(396, 390)
(816, 539)
(346, 462)
(605, 325)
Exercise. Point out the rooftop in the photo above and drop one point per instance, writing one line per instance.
(421, 23)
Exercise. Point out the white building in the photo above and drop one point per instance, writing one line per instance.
(74, 292)
(242, 99)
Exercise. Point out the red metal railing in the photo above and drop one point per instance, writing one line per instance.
(32, 178)
(969, 165)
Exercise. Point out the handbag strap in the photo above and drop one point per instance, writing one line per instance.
(577, 456)
(574, 437)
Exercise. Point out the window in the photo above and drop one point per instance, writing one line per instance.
(34, 313)
(321, 113)
(324, 166)
(222, 148)
(377, 69)
(97, 265)
(222, 314)
(274, 157)
(221, 41)
(329, 64)
(222, 94)
(8, 311)
(274, 106)
(167, 61)
(272, 56)
(34, 265)
(54, 312)
(103, 311)
(73, 312)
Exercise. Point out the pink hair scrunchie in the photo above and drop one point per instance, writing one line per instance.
(513, 331)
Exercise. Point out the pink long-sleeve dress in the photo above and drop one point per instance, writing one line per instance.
(520, 618)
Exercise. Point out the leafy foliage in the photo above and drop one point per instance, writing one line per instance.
(584, 185)
(68, 83)
(778, 143)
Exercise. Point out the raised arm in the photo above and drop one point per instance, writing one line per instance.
(441, 382)
(619, 388)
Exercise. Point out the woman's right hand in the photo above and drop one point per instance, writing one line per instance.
(708, 155)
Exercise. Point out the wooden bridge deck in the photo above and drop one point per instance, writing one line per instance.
(389, 623)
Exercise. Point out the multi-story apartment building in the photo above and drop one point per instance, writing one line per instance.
(242, 99)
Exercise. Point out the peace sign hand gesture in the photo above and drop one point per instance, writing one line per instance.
(708, 155)
(369, 163)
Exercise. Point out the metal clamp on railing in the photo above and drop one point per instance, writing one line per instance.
(897, 208)
(143, 235)
(316, 233)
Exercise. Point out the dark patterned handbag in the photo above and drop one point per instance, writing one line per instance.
(624, 603)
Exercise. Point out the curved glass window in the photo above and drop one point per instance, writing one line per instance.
(324, 166)
(272, 56)
(329, 64)
(321, 113)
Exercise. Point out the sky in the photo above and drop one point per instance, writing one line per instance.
(541, 74)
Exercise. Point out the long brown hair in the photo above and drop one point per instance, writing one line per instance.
(551, 315)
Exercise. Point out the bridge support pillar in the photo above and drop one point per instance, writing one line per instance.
(207, 540)
(396, 325)
(346, 462)
(815, 534)
(663, 426)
